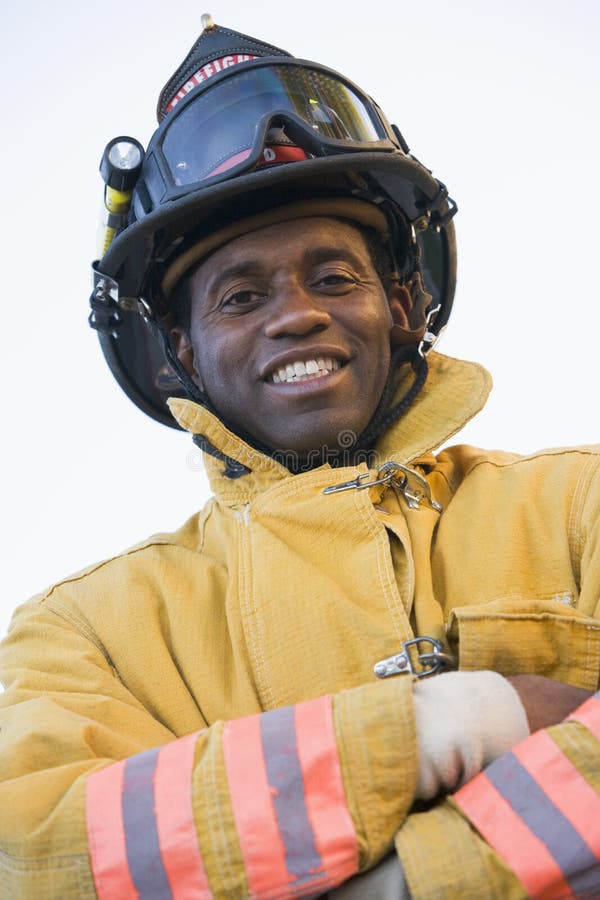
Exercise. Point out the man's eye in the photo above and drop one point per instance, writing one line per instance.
(335, 281)
(238, 300)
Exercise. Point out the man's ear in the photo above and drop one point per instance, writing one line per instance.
(400, 301)
(401, 304)
(182, 345)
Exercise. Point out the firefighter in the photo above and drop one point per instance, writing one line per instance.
(265, 703)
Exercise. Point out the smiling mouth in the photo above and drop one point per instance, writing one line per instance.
(304, 370)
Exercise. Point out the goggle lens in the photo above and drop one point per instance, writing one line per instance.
(220, 125)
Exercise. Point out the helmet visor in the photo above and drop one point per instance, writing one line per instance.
(224, 127)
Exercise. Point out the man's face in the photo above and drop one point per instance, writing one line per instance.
(290, 334)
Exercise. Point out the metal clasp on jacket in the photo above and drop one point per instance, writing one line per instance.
(410, 484)
(412, 661)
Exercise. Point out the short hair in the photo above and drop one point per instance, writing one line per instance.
(377, 245)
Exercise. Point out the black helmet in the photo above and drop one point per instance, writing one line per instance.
(245, 128)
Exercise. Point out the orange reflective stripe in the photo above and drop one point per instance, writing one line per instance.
(106, 834)
(177, 836)
(262, 847)
(296, 834)
(141, 830)
(505, 831)
(324, 790)
(562, 783)
(588, 714)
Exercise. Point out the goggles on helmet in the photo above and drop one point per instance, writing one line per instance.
(225, 128)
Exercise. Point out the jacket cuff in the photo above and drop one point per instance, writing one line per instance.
(376, 740)
(443, 856)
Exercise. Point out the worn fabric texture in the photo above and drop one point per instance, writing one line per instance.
(276, 593)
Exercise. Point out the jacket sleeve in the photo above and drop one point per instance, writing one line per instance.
(99, 798)
(527, 826)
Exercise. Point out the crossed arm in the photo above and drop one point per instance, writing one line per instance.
(289, 802)
(546, 702)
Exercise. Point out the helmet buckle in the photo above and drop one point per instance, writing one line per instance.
(105, 315)
(430, 338)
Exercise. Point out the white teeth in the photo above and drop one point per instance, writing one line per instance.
(305, 370)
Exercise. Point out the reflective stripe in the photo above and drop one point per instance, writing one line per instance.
(175, 820)
(568, 790)
(141, 830)
(546, 821)
(278, 736)
(551, 810)
(106, 835)
(253, 810)
(141, 836)
(325, 798)
(588, 714)
(504, 830)
(295, 831)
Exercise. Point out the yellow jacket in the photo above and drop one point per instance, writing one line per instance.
(275, 595)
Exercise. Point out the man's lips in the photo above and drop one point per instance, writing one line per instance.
(306, 385)
(305, 370)
(308, 364)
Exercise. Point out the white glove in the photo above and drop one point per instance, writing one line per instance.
(464, 720)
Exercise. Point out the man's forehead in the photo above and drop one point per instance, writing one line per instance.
(349, 210)
(313, 239)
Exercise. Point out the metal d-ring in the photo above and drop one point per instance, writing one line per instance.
(403, 663)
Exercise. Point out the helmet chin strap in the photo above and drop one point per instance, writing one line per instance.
(186, 381)
(384, 415)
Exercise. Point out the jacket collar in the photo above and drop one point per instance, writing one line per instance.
(454, 392)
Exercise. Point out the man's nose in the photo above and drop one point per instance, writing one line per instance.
(294, 309)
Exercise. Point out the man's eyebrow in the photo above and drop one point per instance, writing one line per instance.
(318, 255)
(313, 256)
(246, 267)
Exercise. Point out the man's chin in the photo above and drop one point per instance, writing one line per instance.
(337, 451)
(304, 442)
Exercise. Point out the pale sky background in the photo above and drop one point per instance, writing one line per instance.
(499, 98)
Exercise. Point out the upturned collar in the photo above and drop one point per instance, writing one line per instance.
(454, 392)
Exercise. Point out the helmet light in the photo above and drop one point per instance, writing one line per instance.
(121, 163)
